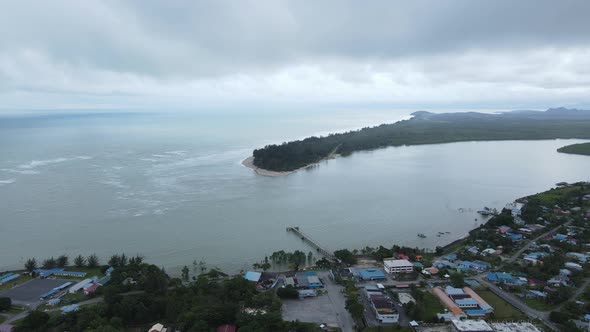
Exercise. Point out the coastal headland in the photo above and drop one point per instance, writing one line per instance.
(427, 128)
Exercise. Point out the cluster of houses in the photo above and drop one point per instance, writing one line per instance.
(540, 252)
(306, 282)
(452, 262)
(461, 303)
(381, 304)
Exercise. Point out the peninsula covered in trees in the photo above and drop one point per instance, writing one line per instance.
(582, 148)
(428, 128)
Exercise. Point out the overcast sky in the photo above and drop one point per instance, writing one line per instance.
(243, 54)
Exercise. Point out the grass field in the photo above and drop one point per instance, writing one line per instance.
(502, 309)
(555, 196)
(539, 305)
(431, 306)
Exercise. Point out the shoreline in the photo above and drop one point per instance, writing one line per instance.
(249, 163)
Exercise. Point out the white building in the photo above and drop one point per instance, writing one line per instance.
(397, 265)
(514, 327)
(80, 285)
(470, 325)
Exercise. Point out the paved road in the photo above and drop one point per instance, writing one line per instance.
(338, 303)
(515, 301)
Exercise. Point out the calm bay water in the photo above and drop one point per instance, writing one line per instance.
(172, 188)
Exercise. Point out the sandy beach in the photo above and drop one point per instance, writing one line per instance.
(249, 162)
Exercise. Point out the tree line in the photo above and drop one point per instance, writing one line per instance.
(424, 128)
(61, 262)
(201, 305)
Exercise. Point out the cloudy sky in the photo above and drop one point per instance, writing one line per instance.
(240, 54)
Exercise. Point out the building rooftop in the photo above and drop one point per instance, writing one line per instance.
(252, 276)
(468, 301)
(313, 280)
(371, 274)
(454, 291)
(397, 263)
(514, 327)
(469, 325)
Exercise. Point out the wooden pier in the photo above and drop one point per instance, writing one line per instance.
(311, 242)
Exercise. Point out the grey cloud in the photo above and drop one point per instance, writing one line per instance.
(129, 52)
(163, 38)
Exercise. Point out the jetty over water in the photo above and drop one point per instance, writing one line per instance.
(311, 242)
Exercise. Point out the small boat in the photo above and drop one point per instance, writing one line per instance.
(441, 233)
(448, 232)
(421, 235)
(486, 211)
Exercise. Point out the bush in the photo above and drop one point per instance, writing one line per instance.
(36, 320)
(346, 256)
(5, 303)
(558, 317)
(287, 292)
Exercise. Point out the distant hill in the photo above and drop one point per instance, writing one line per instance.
(429, 128)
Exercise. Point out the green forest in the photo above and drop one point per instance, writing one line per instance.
(428, 128)
(582, 148)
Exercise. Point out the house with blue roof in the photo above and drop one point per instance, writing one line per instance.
(504, 278)
(451, 257)
(371, 274)
(445, 264)
(450, 290)
(475, 312)
(466, 303)
(536, 294)
(44, 273)
(559, 237)
(514, 237)
(476, 265)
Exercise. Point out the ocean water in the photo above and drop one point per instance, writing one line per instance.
(172, 188)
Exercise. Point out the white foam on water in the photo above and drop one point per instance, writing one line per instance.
(39, 163)
(17, 171)
(5, 182)
(178, 152)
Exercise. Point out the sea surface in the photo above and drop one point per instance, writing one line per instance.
(171, 187)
